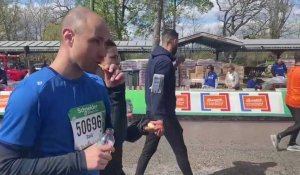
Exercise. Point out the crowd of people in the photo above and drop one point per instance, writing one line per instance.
(232, 79)
(73, 100)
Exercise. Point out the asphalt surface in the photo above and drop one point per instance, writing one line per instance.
(222, 148)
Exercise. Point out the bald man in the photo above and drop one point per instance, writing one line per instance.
(54, 118)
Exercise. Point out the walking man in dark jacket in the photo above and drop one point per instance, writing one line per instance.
(161, 103)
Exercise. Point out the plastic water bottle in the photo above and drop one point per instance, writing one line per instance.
(107, 138)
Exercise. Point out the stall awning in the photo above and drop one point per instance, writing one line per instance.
(214, 41)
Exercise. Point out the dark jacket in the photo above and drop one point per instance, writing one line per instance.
(160, 105)
(118, 112)
(3, 77)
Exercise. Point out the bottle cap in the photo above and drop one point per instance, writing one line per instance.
(109, 131)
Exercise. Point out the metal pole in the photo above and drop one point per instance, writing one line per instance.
(26, 52)
(92, 5)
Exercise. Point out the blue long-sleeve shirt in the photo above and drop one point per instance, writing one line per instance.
(252, 84)
(42, 135)
(211, 79)
(279, 69)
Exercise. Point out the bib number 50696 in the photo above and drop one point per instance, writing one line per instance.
(88, 125)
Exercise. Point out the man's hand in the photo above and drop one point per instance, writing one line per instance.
(156, 127)
(113, 76)
(97, 157)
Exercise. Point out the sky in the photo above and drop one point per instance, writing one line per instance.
(206, 22)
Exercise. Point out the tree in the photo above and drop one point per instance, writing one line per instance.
(174, 11)
(157, 25)
(36, 15)
(9, 20)
(52, 32)
(257, 27)
(237, 13)
(114, 13)
(117, 13)
(61, 8)
(279, 12)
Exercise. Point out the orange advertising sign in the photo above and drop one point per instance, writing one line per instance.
(260, 102)
(183, 101)
(219, 101)
(255, 102)
(215, 101)
(3, 100)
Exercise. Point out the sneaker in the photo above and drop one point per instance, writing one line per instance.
(275, 141)
(293, 148)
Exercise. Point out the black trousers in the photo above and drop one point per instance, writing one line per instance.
(294, 129)
(115, 166)
(173, 134)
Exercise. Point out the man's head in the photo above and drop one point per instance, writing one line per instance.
(231, 68)
(280, 61)
(297, 56)
(170, 40)
(210, 68)
(112, 55)
(84, 34)
(253, 77)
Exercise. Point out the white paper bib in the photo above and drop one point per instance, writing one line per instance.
(88, 122)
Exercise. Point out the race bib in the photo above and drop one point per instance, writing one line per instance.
(87, 123)
(157, 83)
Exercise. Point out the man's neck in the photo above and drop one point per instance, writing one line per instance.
(166, 47)
(65, 67)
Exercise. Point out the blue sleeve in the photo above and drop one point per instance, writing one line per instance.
(216, 76)
(21, 121)
(249, 84)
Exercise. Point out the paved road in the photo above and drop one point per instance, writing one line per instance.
(222, 148)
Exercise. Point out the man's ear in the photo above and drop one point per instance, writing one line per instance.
(175, 42)
(68, 36)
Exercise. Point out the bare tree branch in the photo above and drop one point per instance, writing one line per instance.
(237, 13)
(279, 11)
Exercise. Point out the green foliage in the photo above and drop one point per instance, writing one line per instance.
(173, 12)
(119, 14)
(52, 32)
(10, 22)
(144, 19)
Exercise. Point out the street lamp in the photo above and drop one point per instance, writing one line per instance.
(26, 52)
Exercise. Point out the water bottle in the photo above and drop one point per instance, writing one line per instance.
(107, 138)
